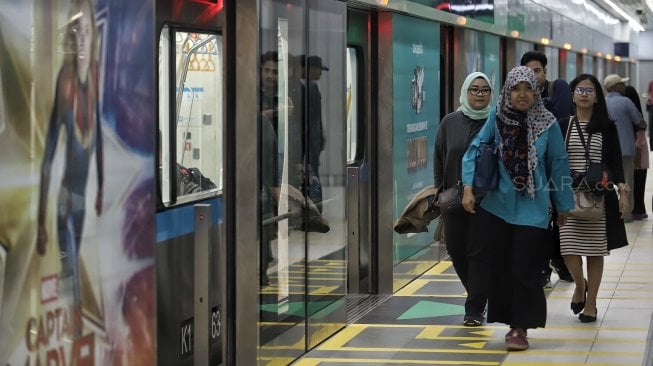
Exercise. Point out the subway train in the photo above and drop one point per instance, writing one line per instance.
(192, 182)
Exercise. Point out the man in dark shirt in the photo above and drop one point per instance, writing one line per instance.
(555, 94)
(557, 99)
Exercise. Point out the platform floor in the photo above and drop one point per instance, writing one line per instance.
(422, 323)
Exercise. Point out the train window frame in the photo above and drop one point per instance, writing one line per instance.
(358, 154)
(170, 95)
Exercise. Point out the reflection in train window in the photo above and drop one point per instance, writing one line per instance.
(352, 105)
(190, 114)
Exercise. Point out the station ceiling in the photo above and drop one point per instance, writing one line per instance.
(640, 10)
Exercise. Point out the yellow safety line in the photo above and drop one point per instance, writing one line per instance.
(411, 288)
(315, 361)
(341, 338)
(488, 327)
(430, 332)
(439, 268)
(530, 363)
(468, 351)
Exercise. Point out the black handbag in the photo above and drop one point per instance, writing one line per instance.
(450, 199)
(486, 175)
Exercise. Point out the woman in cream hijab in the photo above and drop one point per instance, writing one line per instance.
(456, 131)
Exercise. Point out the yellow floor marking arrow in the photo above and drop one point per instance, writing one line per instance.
(485, 333)
(477, 345)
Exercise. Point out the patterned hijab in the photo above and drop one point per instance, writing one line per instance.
(519, 130)
(465, 107)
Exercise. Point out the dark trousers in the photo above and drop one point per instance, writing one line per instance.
(468, 257)
(515, 296)
(638, 192)
(553, 252)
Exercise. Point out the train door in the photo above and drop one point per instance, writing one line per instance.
(302, 158)
(359, 249)
(189, 262)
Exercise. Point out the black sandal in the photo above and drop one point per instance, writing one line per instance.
(588, 318)
(577, 307)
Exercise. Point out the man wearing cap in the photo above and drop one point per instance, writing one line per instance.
(314, 124)
(627, 118)
(312, 68)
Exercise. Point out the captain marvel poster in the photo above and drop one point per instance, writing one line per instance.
(76, 228)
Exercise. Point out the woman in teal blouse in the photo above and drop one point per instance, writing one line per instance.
(514, 219)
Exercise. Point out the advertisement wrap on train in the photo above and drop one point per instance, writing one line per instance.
(79, 245)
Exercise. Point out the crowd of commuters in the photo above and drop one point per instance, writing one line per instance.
(543, 132)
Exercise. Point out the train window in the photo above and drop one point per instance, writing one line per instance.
(190, 114)
(352, 105)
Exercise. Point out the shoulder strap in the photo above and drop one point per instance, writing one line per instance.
(568, 131)
(550, 88)
(582, 140)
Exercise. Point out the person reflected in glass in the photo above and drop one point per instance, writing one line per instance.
(75, 112)
(641, 162)
(315, 127)
(456, 131)
(586, 237)
(513, 219)
(269, 120)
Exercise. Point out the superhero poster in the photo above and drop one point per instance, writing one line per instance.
(76, 198)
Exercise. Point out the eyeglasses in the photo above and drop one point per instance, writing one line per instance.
(479, 91)
(581, 91)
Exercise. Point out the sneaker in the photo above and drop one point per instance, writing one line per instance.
(516, 340)
(509, 334)
(473, 321)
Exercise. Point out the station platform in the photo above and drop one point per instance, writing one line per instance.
(421, 324)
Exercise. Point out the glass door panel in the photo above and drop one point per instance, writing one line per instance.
(326, 140)
(282, 203)
(302, 173)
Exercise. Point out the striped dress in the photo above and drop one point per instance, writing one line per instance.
(582, 236)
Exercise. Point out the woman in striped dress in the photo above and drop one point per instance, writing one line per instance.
(589, 237)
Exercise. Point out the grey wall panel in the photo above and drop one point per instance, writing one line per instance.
(243, 208)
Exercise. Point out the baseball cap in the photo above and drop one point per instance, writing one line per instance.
(612, 80)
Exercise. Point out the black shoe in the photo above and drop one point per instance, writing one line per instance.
(577, 307)
(587, 318)
(473, 321)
